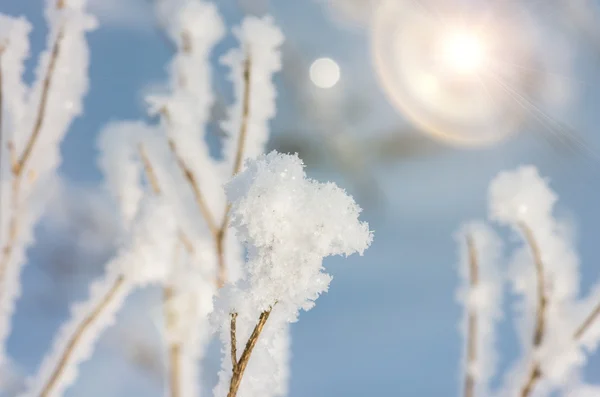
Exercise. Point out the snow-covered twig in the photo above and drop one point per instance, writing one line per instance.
(98, 308)
(534, 372)
(481, 295)
(34, 121)
(239, 366)
(472, 334)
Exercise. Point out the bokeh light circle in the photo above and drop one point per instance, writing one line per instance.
(457, 76)
(324, 72)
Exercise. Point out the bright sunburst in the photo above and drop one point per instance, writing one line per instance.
(463, 51)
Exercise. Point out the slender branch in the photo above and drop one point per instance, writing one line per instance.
(239, 157)
(472, 332)
(18, 164)
(240, 367)
(174, 348)
(41, 114)
(535, 372)
(200, 201)
(232, 333)
(79, 333)
(149, 170)
(589, 320)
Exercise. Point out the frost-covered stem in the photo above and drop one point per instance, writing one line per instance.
(200, 201)
(232, 333)
(535, 372)
(79, 333)
(174, 348)
(149, 170)
(472, 321)
(18, 165)
(240, 366)
(589, 320)
(239, 156)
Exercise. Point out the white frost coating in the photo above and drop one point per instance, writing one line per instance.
(14, 49)
(145, 258)
(485, 300)
(195, 27)
(120, 163)
(260, 40)
(522, 197)
(83, 349)
(289, 224)
(152, 243)
(584, 391)
(68, 85)
(191, 304)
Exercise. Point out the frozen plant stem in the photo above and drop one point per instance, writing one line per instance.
(239, 157)
(218, 231)
(174, 349)
(189, 176)
(18, 165)
(78, 334)
(535, 373)
(472, 321)
(239, 366)
(587, 322)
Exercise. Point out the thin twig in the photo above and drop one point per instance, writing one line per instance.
(18, 164)
(174, 348)
(200, 201)
(589, 320)
(472, 320)
(232, 332)
(240, 367)
(153, 180)
(239, 157)
(26, 155)
(149, 170)
(79, 333)
(535, 372)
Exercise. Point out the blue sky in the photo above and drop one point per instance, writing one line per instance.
(389, 323)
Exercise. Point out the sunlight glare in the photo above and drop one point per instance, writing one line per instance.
(464, 52)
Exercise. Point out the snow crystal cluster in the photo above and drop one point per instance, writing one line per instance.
(523, 200)
(289, 223)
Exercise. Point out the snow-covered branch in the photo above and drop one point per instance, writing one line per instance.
(33, 123)
(289, 223)
(554, 324)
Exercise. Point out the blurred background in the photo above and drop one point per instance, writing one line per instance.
(365, 104)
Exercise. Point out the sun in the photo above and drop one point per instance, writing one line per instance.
(462, 51)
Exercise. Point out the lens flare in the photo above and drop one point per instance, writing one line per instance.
(324, 72)
(458, 76)
(463, 51)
